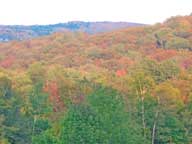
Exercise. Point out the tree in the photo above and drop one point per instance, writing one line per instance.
(116, 122)
(170, 128)
(102, 120)
(5, 105)
(185, 117)
(81, 125)
(39, 111)
(178, 43)
(142, 86)
(14, 125)
(160, 71)
(46, 137)
(36, 72)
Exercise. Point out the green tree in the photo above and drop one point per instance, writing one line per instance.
(14, 125)
(142, 85)
(115, 121)
(102, 120)
(46, 137)
(170, 127)
(39, 110)
(160, 71)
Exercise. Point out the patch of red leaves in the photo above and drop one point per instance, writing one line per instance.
(187, 63)
(7, 62)
(163, 55)
(120, 73)
(55, 99)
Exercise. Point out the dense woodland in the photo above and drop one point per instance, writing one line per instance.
(129, 86)
(21, 32)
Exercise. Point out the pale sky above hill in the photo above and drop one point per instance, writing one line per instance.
(28, 12)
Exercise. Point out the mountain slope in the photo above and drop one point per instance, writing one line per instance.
(159, 42)
(132, 85)
(20, 32)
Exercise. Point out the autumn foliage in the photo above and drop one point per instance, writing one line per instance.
(52, 89)
(132, 85)
(7, 62)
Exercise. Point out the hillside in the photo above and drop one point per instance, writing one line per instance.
(132, 85)
(19, 32)
(160, 42)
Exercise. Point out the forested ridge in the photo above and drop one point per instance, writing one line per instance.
(128, 86)
(24, 32)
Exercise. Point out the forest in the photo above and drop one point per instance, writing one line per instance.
(127, 86)
(24, 32)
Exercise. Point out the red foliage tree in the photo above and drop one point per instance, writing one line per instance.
(7, 62)
(187, 63)
(120, 73)
(53, 90)
(163, 54)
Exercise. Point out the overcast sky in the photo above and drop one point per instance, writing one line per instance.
(28, 12)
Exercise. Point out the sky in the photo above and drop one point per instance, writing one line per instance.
(30, 12)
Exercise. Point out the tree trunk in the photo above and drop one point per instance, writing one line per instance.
(34, 123)
(154, 127)
(155, 122)
(142, 96)
(143, 115)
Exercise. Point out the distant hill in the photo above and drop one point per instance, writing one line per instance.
(19, 32)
